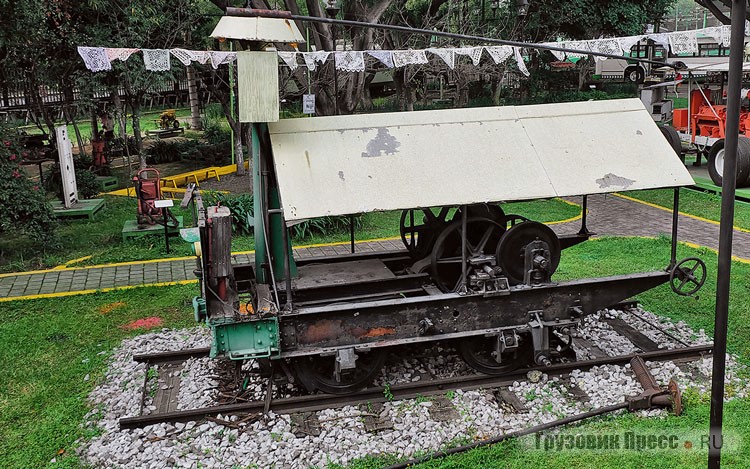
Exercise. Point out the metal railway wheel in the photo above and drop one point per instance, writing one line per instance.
(420, 227)
(510, 251)
(318, 373)
(480, 354)
(482, 238)
(716, 162)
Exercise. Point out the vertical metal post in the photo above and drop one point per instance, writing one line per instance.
(231, 97)
(351, 231)
(464, 241)
(729, 180)
(335, 73)
(166, 227)
(287, 264)
(675, 219)
(584, 213)
(260, 240)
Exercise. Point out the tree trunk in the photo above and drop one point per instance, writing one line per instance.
(195, 110)
(122, 124)
(135, 106)
(76, 130)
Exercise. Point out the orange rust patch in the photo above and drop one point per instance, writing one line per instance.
(108, 308)
(379, 332)
(325, 329)
(145, 323)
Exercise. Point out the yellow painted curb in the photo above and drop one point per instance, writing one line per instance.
(666, 209)
(101, 290)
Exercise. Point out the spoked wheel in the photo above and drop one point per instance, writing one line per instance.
(491, 211)
(318, 373)
(512, 220)
(483, 236)
(688, 276)
(479, 353)
(510, 251)
(420, 227)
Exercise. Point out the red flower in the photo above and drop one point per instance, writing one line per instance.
(36, 188)
(16, 174)
(7, 143)
(12, 157)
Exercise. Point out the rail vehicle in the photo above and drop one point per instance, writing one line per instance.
(469, 274)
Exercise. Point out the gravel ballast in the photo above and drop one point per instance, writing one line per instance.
(413, 427)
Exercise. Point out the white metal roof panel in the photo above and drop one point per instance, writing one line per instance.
(258, 29)
(368, 162)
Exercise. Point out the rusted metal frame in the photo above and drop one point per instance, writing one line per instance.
(385, 256)
(365, 297)
(567, 241)
(333, 293)
(726, 229)
(402, 391)
(314, 330)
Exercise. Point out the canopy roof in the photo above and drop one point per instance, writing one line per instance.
(258, 29)
(369, 162)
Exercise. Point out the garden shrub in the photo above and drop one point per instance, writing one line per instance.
(86, 183)
(23, 202)
(168, 151)
(241, 206)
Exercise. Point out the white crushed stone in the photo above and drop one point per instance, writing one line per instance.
(270, 442)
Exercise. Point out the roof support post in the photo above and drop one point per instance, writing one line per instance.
(729, 179)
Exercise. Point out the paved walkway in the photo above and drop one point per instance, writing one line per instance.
(609, 215)
(89, 279)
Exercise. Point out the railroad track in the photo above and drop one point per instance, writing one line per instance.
(165, 398)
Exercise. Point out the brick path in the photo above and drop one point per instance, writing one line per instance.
(609, 215)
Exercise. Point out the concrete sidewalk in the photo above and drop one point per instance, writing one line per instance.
(609, 215)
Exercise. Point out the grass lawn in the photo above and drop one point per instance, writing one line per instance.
(695, 203)
(49, 346)
(101, 239)
(148, 121)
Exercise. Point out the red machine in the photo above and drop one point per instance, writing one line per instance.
(147, 184)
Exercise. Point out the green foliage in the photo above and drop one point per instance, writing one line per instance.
(85, 180)
(241, 207)
(215, 128)
(324, 226)
(168, 150)
(24, 206)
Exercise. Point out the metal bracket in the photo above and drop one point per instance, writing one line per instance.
(426, 326)
(507, 340)
(540, 338)
(345, 361)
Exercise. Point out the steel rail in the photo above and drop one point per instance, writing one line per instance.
(315, 402)
(170, 357)
(251, 12)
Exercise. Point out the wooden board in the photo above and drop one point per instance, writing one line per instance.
(258, 86)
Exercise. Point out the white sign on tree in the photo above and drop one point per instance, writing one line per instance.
(67, 169)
